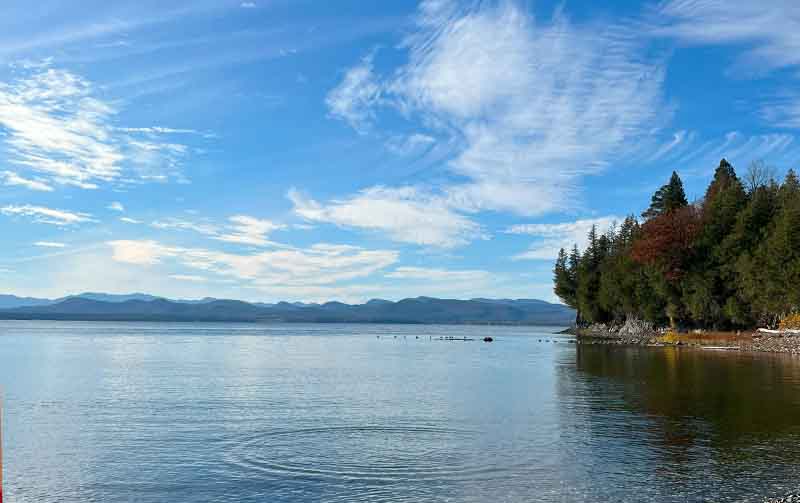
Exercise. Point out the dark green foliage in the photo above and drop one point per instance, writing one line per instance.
(711, 280)
(770, 273)
(732, 260)
(564, 281)
(668, 198)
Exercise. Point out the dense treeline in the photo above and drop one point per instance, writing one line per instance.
(729, 260)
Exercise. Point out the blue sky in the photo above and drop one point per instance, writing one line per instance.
(300, 150)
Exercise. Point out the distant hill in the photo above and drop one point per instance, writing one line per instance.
(12, 301)
(142, 307)
(110, 297)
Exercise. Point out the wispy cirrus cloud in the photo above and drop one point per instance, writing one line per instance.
(406, 214)
(782, 110)
(353, 99)
(11, 178)
(60, 131)
(44, 215)
(694, 153)
(550, 238)
(320, 264)
(570, 99)
(189, 277)
(116, 206)
(249, 230)
(529, 106)
(206, 228)
(434, 274)
(767, 29)
(159, 130)
(49, 244)
(240, 229)
(93, 25)
(766, 32)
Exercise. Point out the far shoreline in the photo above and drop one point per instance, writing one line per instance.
(284, 322)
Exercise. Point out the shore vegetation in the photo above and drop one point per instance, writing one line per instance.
(727, 261)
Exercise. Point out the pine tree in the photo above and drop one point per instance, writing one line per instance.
(750, 231)
(770, 280)
(619, 275)
(711, 282)
(669, 197)
(564, 284)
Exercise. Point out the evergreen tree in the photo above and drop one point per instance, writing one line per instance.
(751, 229)
(770, 280)
(711, 279)
(668, 198)
(619, 276)
(565, 287)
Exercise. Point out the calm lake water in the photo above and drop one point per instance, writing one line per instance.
(146, 412)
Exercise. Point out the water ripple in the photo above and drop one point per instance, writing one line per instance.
(366, 453)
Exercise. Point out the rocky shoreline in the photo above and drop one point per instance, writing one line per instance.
(637, 332)
(792, 498)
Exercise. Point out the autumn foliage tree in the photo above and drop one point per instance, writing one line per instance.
(665, 246)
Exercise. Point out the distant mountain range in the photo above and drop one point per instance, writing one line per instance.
(142, 307)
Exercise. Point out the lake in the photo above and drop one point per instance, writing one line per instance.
(155, 412)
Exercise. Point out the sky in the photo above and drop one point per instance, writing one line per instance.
(309, 151)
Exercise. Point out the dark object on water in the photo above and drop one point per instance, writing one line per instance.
(487, 339)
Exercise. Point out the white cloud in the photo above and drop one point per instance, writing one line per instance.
(160, 130)
(116, 206)
(45, 215)
(432, 274)
(248, 5)
(770, 27)
(141, 252)
(353, 98)
(129, 220)
(249, 231)
(28, 64)
(410, 145)
(782, 111)
(550, 238)
(766, 32)
(697, 154)
(406, 214)
(321, 264)
(531, 107)
(179, 224)
(11, 179)
(49, 244)
(189, 277)
(58, 129)
(536, 105)
(242, 229)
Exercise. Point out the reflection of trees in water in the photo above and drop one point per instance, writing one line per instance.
(732, 403)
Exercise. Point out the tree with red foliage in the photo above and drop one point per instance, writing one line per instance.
(666, 241)
(665, 245)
